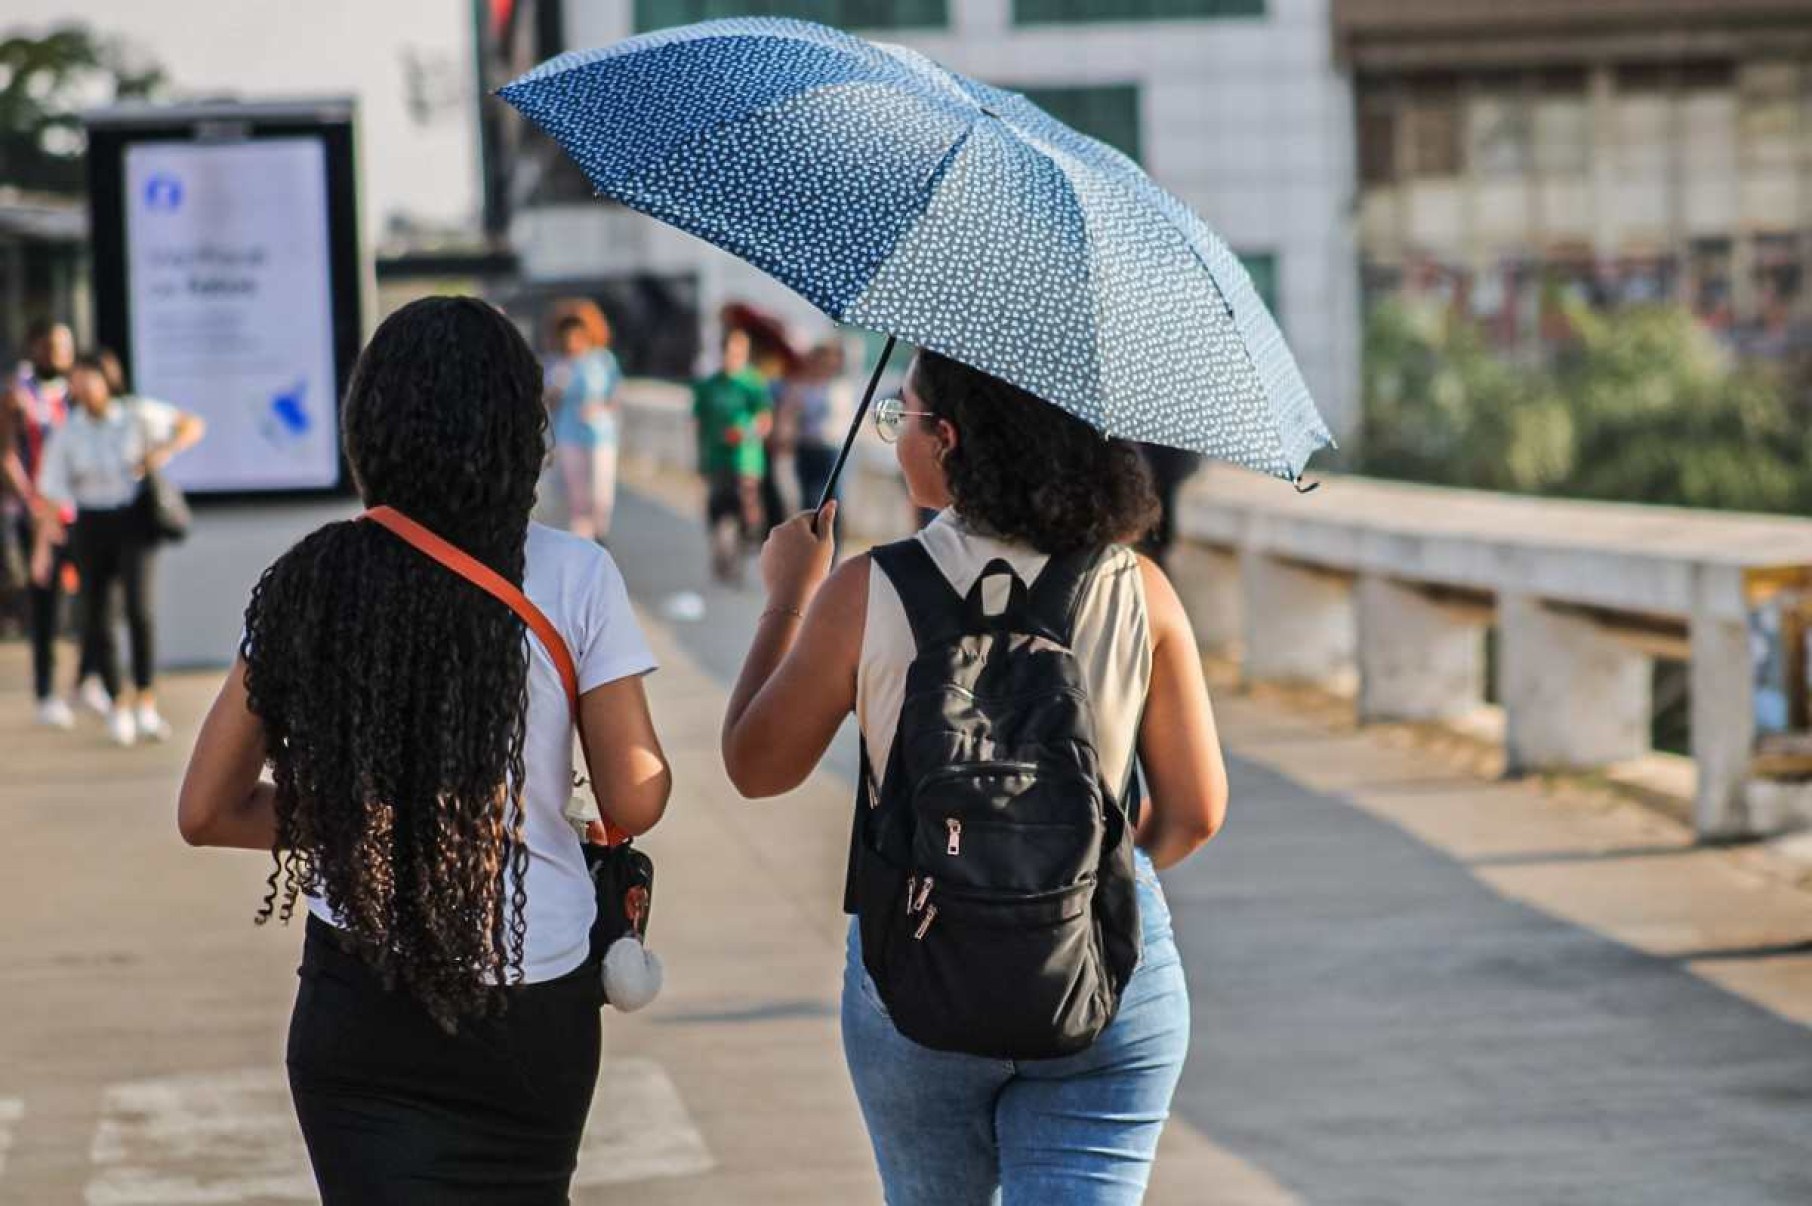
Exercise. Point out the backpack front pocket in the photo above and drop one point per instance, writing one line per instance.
(1008, 975)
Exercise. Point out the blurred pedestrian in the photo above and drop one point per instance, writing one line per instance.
(1170, 468)
(582, 382)
(773, 358)
(813, 406)
(445, 1039)
(35, 404)
(734, 413)
(96, 463)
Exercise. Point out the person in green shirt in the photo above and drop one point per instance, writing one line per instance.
(733, 412)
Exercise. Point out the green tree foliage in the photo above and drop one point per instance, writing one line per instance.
(1643, 406)
(45, 83)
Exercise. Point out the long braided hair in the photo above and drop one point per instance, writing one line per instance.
(393, 693)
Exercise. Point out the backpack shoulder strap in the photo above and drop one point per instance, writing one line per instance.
(932, 605)
(500, 588)
(1057, 594)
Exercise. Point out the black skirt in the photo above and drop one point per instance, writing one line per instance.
(397, 1111)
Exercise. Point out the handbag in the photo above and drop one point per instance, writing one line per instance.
(622, 877)
(163, 511)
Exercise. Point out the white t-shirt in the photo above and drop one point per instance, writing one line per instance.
(94, 463)
(581, 591)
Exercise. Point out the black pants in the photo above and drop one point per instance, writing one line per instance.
(1170, 468)
(110, 549)
(815, 462)
(397, 1111)
(43, 615)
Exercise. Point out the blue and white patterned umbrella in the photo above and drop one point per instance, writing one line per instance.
(899, 196)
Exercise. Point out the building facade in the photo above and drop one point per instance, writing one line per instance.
(1624, 150)
(1234, 105)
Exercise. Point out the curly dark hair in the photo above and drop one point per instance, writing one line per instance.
(392, 692)
(1026, 471)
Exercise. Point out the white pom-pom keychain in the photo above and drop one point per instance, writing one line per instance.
(632, 973)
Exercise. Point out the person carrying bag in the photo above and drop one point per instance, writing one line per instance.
(1015, 1016)
(446, 1036)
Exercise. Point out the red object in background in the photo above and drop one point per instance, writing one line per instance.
(501, 12)
(766, 333)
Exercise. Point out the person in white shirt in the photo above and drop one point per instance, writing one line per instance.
(32, 407)
(445, 1040)
(95, 463)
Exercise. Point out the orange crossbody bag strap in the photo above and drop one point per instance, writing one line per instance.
(498, 587)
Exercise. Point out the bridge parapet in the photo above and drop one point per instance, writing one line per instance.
(1389, 590)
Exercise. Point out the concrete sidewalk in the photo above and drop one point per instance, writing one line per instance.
(1412, 984)
(144, 1016)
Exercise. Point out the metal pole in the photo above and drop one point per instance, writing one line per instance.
(855, 427)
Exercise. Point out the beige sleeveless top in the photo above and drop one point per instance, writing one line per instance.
(1112, 640)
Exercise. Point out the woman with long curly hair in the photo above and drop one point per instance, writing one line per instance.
(445, 1040)
(1018, 484)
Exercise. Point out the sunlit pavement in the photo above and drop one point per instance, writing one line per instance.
(1410, 984)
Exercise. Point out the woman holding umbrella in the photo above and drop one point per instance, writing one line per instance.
(1020, 481)
(1067, 305)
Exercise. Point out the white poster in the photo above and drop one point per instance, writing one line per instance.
(229, 294)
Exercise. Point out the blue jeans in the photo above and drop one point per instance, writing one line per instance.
(951, 1129)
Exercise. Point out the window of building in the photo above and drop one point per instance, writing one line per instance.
(1377, 109)
(1109, 113)
(1063, 12)
(1563, 126)
(844, 14)
(1499, 136)
(1262, 265)
(1432, 129)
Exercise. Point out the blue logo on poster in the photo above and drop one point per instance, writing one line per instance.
(164, 192)
(287, 409)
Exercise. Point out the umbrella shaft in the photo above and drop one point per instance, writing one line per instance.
(855, 427)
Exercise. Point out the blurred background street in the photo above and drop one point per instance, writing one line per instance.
(1514, 904)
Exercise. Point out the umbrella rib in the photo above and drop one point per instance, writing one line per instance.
(906, 228)
(1149, 191)
(1062, 162)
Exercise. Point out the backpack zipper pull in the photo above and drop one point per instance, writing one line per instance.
(930, 915)
(912, 886)
(954, 846)
(924, 895)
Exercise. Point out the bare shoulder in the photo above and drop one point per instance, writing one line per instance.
(1163, 608)
(844, 595)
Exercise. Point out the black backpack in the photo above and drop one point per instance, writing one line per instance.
(991, 869)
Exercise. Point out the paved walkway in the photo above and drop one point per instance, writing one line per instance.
(1410, 985)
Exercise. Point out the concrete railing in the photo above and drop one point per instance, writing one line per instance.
(1390, 589)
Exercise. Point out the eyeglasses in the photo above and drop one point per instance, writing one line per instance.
(889, 412)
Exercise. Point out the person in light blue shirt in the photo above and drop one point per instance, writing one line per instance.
(581, 385)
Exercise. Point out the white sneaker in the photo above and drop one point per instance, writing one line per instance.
(94, 697)
(121, 728)
(151, 726)
(53, 713)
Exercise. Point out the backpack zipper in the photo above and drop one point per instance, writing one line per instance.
(918, 935)
(954, 846)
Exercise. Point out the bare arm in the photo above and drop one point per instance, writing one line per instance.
(623, 757)
(798, 681)
(223, 801)
(189, 431)
(1178, 745)
(12, 466)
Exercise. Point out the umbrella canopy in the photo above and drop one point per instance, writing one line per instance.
(899, 196)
